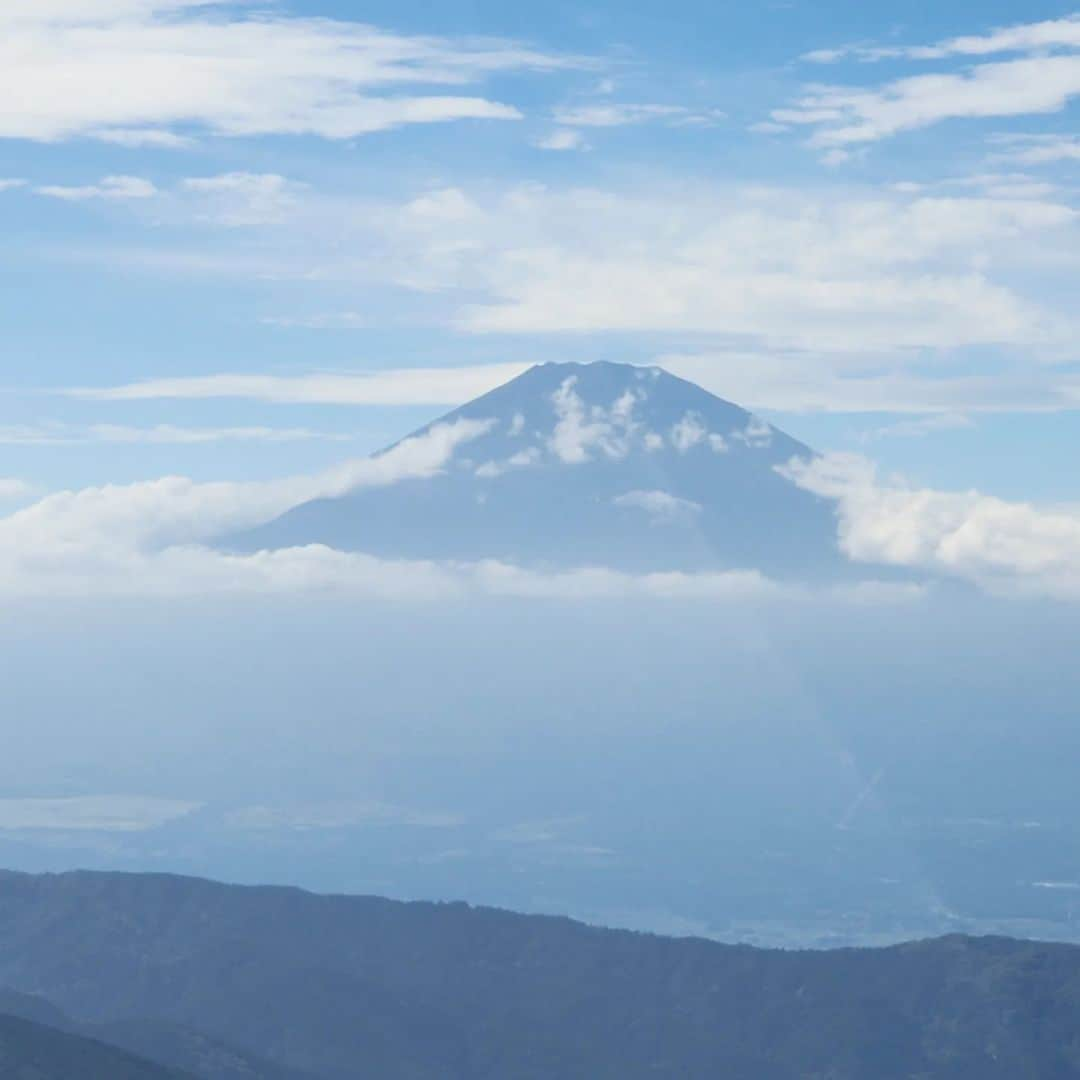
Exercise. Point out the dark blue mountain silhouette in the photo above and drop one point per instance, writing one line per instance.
(591, 464)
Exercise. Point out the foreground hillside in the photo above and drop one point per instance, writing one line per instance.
(342, 987)
(30, 1051)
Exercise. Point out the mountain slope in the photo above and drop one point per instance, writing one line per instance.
(350, 987)
(32, 1051)
(590, 464)
(186, 1051)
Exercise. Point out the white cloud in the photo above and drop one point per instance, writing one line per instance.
(521, 460)
(92, 813)
(623, 115)
(397, 386)
(10, 184)
(580, 429)
(688, 432)
(570, 119)
(1037, 149)
(922, 426)
(138, 138)
(855, 271)
(242, 198)
(1002, 546)
(756, 434)
(1042, 82)
(442, 206)
(143, 540)
(337, 815)
(147, 540)
(791, 270)
(110, 187)
(165, 434)
(562, 139)
(818, 382)
(145, 532)
(501, 579)
(170, 69)
(1007, 186)
(813, 299)
(661, 506)
(1025, 37)
(13, 488)
(334, 320)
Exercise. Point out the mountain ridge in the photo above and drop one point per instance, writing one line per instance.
(356, 987)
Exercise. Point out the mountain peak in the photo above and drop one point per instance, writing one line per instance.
(601, 464)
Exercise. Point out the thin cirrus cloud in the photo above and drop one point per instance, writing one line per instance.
(1048, 34)
(159, 434)
(110, 187)
(92, 813)
(399, 386)
(622, 115)
(1043, 78)
(157, 72)
(244, 198)
(810, 382)
(1036, 149)
(570, 119)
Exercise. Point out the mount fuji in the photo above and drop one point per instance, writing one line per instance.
(598, 464)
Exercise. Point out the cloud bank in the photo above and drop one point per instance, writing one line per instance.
(1001, 546)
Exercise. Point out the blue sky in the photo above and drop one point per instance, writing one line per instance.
(770, 199)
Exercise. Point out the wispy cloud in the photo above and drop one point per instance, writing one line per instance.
(661, 506)
(1042, 79)
(398, 386)
(157, 72)
(243, 198)
(338, 815)
(1025, 37)
(165, 434)
(922, 426)
(615, 114)
(110, 187)
(332, 320)
(562, 139)
(1036, 149)
(92, 813)
(809, 381)
(570, 119)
